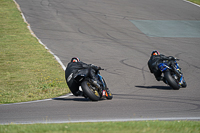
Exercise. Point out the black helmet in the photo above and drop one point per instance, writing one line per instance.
(155, 52)
(75, 59)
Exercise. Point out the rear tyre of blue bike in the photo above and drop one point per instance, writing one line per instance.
(171, 81)
(90, 91)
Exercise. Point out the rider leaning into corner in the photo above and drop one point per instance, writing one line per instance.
(76, 67)
(153, 62)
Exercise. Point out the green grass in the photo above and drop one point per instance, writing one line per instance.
(107, 127)
(195, 1)
(27, 70)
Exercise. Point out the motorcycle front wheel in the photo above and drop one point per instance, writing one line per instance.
(171, 81)
(90, 91)
(109, 95)
(184, 85)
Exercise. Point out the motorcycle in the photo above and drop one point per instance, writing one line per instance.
(172, 73)
(91, 90)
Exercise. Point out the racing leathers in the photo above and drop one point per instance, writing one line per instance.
(75, 68)
(153, 66)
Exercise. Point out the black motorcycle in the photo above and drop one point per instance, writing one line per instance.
(93, 90)
(172, 73)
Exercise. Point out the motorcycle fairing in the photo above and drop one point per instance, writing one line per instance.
(163, 67)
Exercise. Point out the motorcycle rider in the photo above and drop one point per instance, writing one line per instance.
(153, 62)
(76, 67)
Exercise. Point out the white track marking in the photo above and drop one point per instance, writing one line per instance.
(56, 57)
(192, 3)
(39, 100)
(115, 120)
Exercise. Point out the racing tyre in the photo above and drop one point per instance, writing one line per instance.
(171, 81)
(109, 95)
(90, 91)
(184, 85)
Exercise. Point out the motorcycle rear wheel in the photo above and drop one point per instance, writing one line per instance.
(90, 91)
(171, 81)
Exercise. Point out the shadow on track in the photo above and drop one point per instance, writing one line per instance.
(72, 99)
(156, 87)
(76, 99)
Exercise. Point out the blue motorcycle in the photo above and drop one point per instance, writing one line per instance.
(92, 90)
(172, 73)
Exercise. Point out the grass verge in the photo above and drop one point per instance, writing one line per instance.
(108, 127)
(195, 1)
(27, 70)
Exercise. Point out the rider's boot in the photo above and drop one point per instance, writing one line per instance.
(80, 93)
(161, 78)
(164, 80)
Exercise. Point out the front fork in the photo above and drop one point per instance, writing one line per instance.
(104, 93)
(101, 79)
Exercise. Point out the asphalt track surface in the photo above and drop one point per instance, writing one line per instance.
(103, 33)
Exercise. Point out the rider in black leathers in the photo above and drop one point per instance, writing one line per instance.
(153, 62)
(76, 67)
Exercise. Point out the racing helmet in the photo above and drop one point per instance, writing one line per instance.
(75, 59)
(155, 52)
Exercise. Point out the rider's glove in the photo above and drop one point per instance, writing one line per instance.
(99, 68)
(96, 68)
(171, 58)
